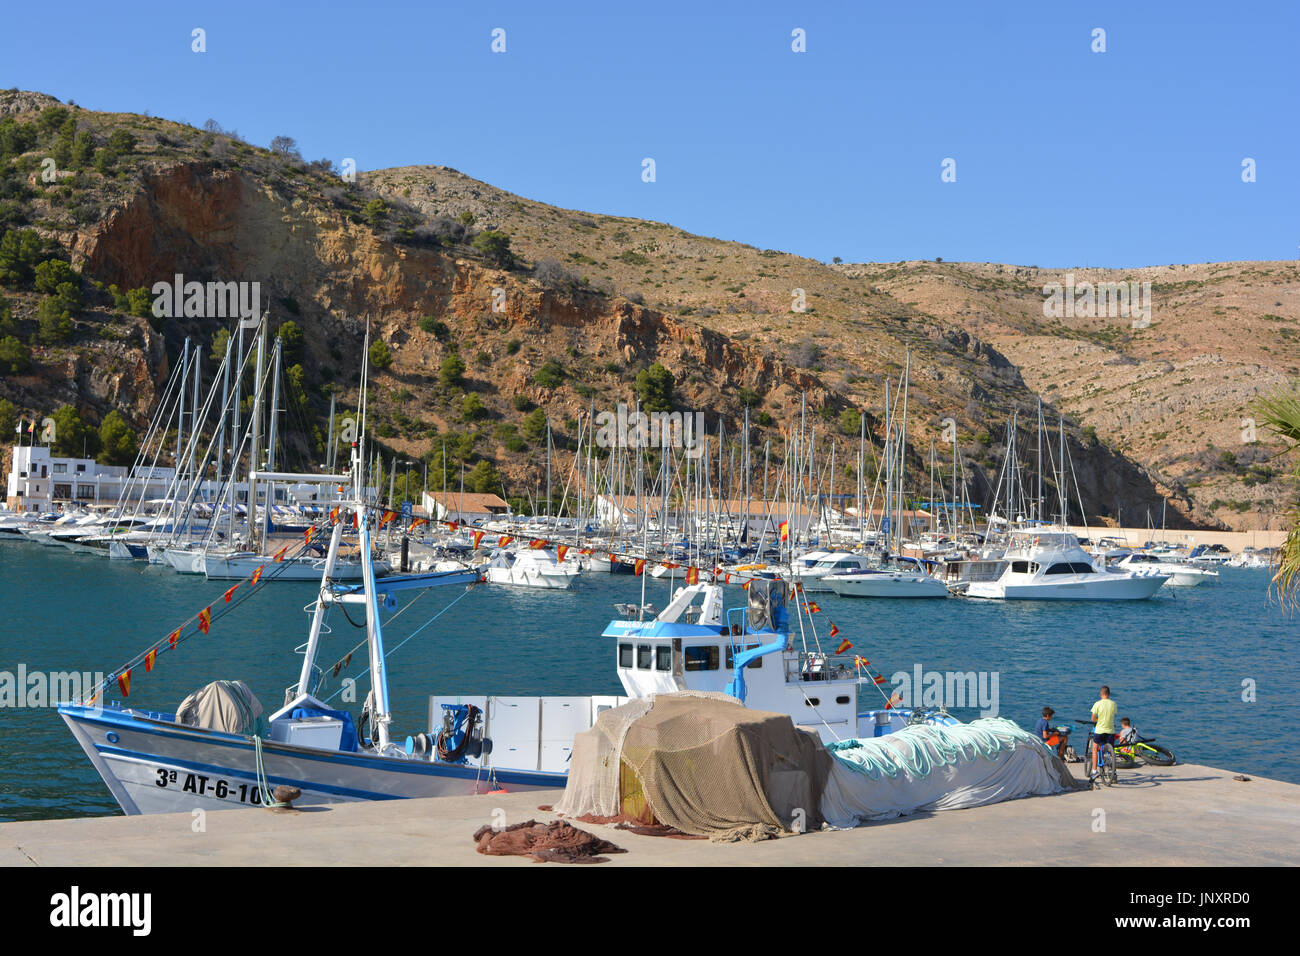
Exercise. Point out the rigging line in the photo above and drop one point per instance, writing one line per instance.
(389, 652)
(216, 616)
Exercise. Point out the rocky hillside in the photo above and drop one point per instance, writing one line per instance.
(492, 307)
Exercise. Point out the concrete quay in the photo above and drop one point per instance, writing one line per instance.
(1183, 815)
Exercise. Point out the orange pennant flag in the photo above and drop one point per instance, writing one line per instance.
(124, 683)
(692, 575)
(230, 592)
(639, 566)
(785, 530)
(539, 543)
(279, 555)
(814, 607)
(257, 576)
(205, 619)
(150, 658)
(309, 532)
(389, 516)
(174, 636)
(417, 522)
(880, 679)
(504, 540)
(334, 515)
(561, 551)
(476, 537)
(844, 646)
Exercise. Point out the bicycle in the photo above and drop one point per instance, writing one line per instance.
(1145, 750)
(1107, 764)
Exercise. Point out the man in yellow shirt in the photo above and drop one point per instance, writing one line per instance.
(1103, 712)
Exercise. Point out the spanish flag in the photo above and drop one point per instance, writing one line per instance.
(880, 679)
(279, 555)
(834, 630)
(894, 700)
(124, 683)
(726, 578)
(417, 522)
(150, 658)
(861, 662)
(692, 575)
(476, 537)
(814, 607)
(230, 592)
(387, 517)
(334, 515)
(453, 525)
(586, 551)
(205, 619)
(504, 540)
(844, 647)
(639, 566)
(744, 585)
(257, 576)
(309, 532)
(561, 551)
(173, 637)
(785, 530)
(538, 544)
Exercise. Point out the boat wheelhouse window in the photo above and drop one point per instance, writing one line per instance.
(663, 658)
(625, 655)
(643, 657)
(731, 660)
(702, 658)
(1070, 567)
(1020, 567)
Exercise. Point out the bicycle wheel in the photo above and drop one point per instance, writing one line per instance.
(1124, 760)
(1109, 776)
(1156, 755)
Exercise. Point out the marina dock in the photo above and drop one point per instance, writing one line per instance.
(1183, 815)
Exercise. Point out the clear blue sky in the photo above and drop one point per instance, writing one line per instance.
(1064, 157)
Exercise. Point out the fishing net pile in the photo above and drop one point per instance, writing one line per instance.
(556, 842)
(928, 767)
(700, 763)
(703, 764)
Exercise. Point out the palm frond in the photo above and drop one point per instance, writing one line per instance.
(1281, 413)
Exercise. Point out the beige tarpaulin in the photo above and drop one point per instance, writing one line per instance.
(226, 705)
(705, 765)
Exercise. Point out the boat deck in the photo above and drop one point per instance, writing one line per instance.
(1184, 815)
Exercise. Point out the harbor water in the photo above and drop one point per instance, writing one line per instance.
(1209, 670)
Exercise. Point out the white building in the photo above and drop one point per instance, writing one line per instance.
(38, 481)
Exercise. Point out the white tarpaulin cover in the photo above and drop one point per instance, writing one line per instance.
(932, 767)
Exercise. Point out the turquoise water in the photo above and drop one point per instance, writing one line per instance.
(1175, 663)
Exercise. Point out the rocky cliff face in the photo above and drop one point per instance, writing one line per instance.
(619, 295)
